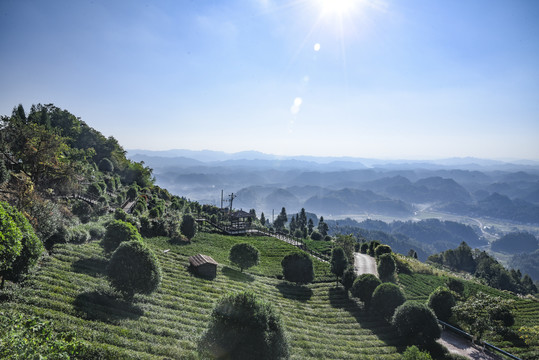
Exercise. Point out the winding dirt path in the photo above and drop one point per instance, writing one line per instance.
(364, 264)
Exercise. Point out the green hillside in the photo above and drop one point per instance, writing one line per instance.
(69, 288)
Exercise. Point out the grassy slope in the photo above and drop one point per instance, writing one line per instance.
(70, 289)
(419, 286)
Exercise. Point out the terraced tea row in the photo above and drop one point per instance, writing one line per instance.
(70, 288)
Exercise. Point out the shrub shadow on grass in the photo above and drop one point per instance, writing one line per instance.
(339, 299)
(194, 272)
(106, 306)
(179, 241)
(294, 292)
(236, 275)
(90, 266)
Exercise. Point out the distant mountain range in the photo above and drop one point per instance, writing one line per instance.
(345, 186)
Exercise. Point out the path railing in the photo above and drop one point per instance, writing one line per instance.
(464, 334)
(256, 230)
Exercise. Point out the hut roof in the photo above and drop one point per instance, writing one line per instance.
(241, 214)
(199, 259)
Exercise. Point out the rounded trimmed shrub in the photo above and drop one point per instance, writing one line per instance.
(105, 165)
(10, 239)
(78, 235)
(382, 249)
(386, 298)
(315, 235)
(441, 300)
(244, 255)
(117, 232)
(298, 268)
(133, 268)
(4, 173)
(244, 327)
(416, 323)
(364, 286)
(32, 247)
(455, 285)
(348, 278)
(364, 248)
(386, 267)
(188, 226)
(372, 245)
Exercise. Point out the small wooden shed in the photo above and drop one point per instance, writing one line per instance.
(203, 265)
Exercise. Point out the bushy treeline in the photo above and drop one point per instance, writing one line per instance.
(425, 237)
(516, 242)
(485, 267)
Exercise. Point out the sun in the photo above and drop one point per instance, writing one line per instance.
(337, 7)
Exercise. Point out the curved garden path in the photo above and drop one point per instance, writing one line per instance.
(365, 264)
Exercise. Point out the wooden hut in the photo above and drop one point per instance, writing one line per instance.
(203, 265)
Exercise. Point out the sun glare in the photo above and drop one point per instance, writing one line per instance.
(337, 7)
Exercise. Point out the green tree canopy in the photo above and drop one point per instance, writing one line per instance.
(338, 262)
(133, 268)
(244, 255)
(386, 267)
(244, 327)
(441, 301)
(119, 231)
(386, 298)
(188, 226)
(10, 241)
(32, 247)
(298, 268)
(416, 323)
(364, 286)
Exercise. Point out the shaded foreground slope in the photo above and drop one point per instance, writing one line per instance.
(70, 289)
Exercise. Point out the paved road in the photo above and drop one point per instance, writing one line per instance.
(457, 345)
(364, 264)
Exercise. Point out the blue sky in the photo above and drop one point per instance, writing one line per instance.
(394, 79)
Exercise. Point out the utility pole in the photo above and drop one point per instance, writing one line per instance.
(231, 199)
(221, 199)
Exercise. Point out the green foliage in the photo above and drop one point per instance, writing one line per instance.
(244, 255)
(416, 323)
(24, 338)
(382, 249)
(298, 268)
(364, 248)
(346, 242)
(32, 247)
(188, 226)
(372, 246)
(386, 267)
(119, 231)
(363, 288)
(516, 242)
(338, 262)
(455, 285)
(4, 173)
(348, 278)
(315, 235)
(413, 353)
(82, 209)
(10, 239)
(105, 165)
(281, 220)
(441, 301)
(78, 235)
(482, 312)
(133, 268)
(386, 298)
(243, 327)
(323, 228)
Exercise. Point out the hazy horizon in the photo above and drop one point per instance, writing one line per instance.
(292, 156)
(380, 79)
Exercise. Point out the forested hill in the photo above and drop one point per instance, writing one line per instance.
(48, 153)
